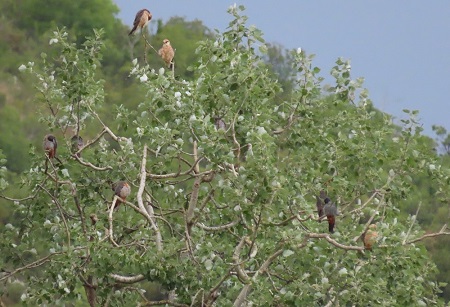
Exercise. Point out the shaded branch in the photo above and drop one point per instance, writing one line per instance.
(36, 263)
(178, 174)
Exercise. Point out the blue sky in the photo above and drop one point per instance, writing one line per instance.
(401, 48)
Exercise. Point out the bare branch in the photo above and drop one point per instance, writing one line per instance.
(193, 202)
(58, 205)
(110, 220)
(327, 237)
(154, 225)
(127, 279)
(89, 164)
(217, 228)
(243, 277)
(413, 221)
(178, 174)
(429, 235)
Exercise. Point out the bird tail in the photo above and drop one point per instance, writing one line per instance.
(132, 30)
(331, 221)
(171, 65)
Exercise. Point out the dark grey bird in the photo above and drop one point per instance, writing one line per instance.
(330, 210)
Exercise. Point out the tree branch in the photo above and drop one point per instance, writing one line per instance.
(327, 237)
(127, 279)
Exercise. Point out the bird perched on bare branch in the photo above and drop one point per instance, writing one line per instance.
(122, 189)
(77, 144)
(141, 20)
(166, 52)
(50, 145)
(370, 238)
(330, 210)
(320, 202)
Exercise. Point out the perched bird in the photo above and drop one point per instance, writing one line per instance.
(77, 144)
(220, 124)
(50, 145)
(370, 238)
(320, 203)
(93, 218)
(141, 20)
(330, 210)
(122, 189)
(166, 52)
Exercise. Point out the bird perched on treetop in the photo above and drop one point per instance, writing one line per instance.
(122, 189)
(370, 238)
(50, 145)
(77, 144)
(330, 210)
(141, 20)
(166, 52)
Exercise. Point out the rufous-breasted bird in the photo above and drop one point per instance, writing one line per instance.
(320, 202)
(122, 189)
(141, 20)
(50, 145)
(77, 144)
(166, 52)
(370, 238)
(330, 210)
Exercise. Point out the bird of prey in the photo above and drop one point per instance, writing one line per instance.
(122, 189)
(166, 52)
(141, 20)
(50, 145)
(370, 238)
(77, 144)
(330, 210)
(320, 203)
(220, 123)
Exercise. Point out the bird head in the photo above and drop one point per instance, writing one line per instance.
(326, 200)
(166, 42)
(149, 15)
(51, 138)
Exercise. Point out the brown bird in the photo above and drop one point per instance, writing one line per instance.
(141, 20)
(330, 210)
(50, 145)
(167, 53)
(122, 189)
(77, 144)
(370, 238)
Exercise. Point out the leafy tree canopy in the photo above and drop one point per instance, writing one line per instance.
(224, 178)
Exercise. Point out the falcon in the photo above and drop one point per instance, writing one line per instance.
(77, 144)
(50, 145)
(220, 123)
(141, 20)
(330, 210)
(166, 52)
(121, 189)
(370, 237)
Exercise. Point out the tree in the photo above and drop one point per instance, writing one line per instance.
(224, 180)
